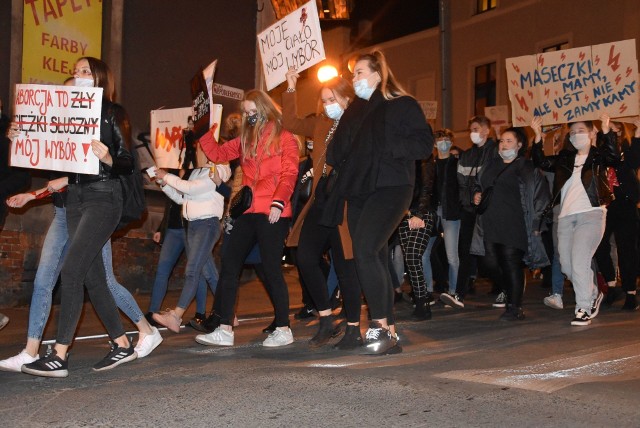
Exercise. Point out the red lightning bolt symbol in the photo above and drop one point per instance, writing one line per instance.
(613, 60)
(530, 94)
(515, 82)
(597, 60)
(618, 79)
(623, 107)
(629, 70)
(541, 60)
(555, 115)
(520, 119)
(563, 56)
(586, 98)
(581, 56)
(515, 67)
(522, 102)
(546, 92)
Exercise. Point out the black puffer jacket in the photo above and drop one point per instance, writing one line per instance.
(115, 133)
(594, 173)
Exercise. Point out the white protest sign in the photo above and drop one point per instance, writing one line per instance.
(216, 118)
(574, 84)
(167, 141)
(430, 109)
(57, 124)
(294, 41)
(498, 115)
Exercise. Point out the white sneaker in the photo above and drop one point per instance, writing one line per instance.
(218, 337)
(148, 343)
(4, 320)
(14, 364)
(279, 337)
(501, 300)
(554, 301)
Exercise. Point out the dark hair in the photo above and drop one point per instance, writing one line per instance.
(102, 76)
(482, 120)
(389, 86)
(587, 123)
(521, 137)
(443, 133)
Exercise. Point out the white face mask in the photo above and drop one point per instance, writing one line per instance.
(83, 83)
(476, 138)
(362, 89)
(580, 141)
(333, 111)
(443, 145)
(508, 154)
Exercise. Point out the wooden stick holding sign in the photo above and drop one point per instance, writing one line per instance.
(56, 125)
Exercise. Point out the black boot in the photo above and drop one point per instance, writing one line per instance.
(422, 312)
(211, 323)
(326, 330)
(512, 313)
(352, 339)
(630, 303)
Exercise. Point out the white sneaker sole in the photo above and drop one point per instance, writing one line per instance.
(276, 345)
(204, 341)
(56, 373)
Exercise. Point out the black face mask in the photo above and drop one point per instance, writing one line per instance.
(252, 119)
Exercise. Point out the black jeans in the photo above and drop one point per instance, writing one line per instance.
(315, 241)
(372, 221)
(468, 262)
(622, 222)
(504, 265)
(93, 212)
(247, 230)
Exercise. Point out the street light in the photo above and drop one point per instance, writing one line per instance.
(327, 72)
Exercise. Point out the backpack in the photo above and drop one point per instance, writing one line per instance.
(133, 201)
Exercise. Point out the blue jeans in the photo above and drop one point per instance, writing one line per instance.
(426, 264)
(201, 237)
(451, 233)
(172, 246)
(51, 256)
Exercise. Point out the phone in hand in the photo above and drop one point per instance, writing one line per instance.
(151, 171)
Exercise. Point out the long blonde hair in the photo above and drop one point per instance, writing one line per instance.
(389, 86)
(268, 112)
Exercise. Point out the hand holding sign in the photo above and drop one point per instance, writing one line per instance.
(536, 127)
(292, 77)
(605, 119)
(102, 152)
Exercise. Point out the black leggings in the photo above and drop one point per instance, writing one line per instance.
(315, 241)
(247, 230)
(372, 221)
(504, 266)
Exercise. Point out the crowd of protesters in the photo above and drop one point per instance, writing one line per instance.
(377, 170)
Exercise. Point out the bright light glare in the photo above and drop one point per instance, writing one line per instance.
(327, 72)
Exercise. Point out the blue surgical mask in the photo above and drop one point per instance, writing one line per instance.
(443, 145)
(362, 89)
(252, 119)
(333, 111)
(508, 154)
(83, 83)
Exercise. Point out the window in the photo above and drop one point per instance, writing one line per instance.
(485, 5)
(485, 87)
(556, 47)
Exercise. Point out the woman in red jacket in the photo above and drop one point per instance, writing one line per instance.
(269, 158)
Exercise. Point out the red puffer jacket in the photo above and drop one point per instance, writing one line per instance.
(277, 171)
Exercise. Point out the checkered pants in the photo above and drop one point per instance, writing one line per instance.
(414, 242)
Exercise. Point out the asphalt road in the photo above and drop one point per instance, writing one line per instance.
(462, 368)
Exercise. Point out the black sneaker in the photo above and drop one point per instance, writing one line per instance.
(512, 314)
(595, 306)
(422, 312)
(48, 366)
(582, 318)
(430, 300)
(304, 313)
(378, 340)
(211, 323)
(116, 356)
(630, 303)
(197, 322)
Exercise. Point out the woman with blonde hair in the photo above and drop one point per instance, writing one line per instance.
(269, 157)
(375, 156)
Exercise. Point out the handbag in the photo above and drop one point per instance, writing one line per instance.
(240, 202)
(133, 199)
(485, 200)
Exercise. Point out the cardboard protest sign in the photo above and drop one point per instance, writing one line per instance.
(55, 35)
(57, 124)
(430, 109)
(168, 129)
(201, 85)
(294, 41)
(574, 84)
